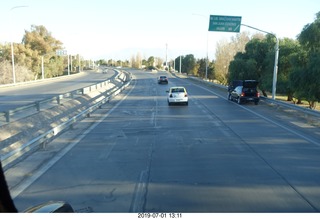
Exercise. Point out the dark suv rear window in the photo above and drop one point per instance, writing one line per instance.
(249, 90)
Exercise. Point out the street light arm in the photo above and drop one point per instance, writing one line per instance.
(21, 6)
(259, 30)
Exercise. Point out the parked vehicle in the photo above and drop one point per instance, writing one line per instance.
(247, 92)
(233, 85)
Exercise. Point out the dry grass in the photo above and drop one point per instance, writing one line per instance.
(304, 103)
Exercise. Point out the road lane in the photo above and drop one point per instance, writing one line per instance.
(210, 165)
(210, 156)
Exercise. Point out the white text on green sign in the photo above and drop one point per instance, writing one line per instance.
(224, 23)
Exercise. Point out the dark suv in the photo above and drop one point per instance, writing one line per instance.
(163, 79)
(244, 91)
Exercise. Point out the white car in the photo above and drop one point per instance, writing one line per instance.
(177, 95)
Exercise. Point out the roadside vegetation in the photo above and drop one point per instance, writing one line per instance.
(298, 68)
(252, 57)
(37, 43)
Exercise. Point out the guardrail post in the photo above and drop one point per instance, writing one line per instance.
(59, 97)
(44, 144)
(8, 115)
(38, 105)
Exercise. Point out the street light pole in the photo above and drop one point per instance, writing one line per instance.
(180, 65)
(42, 67)
(167, 56)
(79, 63)
(12, 60)
(12, 52)
(69, 64)
(207, 58)
(275, 70)
(276, 59)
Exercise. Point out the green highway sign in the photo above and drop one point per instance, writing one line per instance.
(224, 23)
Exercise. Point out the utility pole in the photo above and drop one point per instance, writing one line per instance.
(79, 63)
(180, 65)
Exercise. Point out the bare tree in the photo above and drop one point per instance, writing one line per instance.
(22, 73)
(136, 61)
(225, 52)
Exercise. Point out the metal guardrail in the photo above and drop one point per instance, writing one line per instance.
(46, 137)
(37, 105)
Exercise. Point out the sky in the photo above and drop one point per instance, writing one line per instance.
(119, 29)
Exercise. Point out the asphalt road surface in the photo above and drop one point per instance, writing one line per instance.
(210, 156)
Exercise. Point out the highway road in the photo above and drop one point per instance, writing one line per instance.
(213, 155)
(17, 96)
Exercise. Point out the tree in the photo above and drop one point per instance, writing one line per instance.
(306, 81)
(304, 78)
(202, 63)
(41, 40)
(225, 53)
(134, 64)
(309, 37)
(189, 64)
(144, 63)
(136, 61)
(288, 48)
(211, 70)
(101, 62)
(24, 60)
(151, 61)
(201, 66)
(42, 43)
(255, 63)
